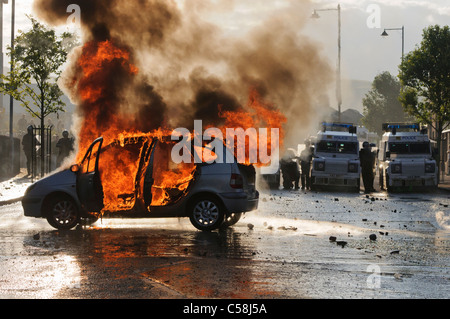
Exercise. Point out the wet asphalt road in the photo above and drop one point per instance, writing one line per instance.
(283, 251)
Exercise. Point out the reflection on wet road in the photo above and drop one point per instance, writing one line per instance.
(282, 251)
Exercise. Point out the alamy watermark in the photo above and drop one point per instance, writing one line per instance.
(374, 279)
(261, 145)
(75, 14)
(374, 19)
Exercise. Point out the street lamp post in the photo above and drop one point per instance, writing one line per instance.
(11, 131)
(315, 15)
(1, 46)
(11, 100)
(385, 34)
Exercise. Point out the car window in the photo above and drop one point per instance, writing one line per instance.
(398, 148)
(348, 148)
(89, 161)
(206, 153)
(409, 148)
(339, 147)
(326, 146)
(420, 148)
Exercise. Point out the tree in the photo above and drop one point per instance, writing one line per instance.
(381, 103)
(36, 61)
(425, 75)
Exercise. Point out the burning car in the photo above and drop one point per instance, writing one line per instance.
(135, 177)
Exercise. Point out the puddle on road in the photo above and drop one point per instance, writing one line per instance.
(262, 256)
(412, 198)
(300, 226)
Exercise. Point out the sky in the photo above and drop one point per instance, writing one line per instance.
(364, 52)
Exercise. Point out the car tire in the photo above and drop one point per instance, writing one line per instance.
(231, 219)
(206, 213)
(62, 213)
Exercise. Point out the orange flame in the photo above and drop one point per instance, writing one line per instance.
(257, 114)
(99, 64)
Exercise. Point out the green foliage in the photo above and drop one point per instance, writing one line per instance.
(36, 63)
(425, 73)
(381, 104)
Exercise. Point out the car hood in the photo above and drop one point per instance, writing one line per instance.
(60, 178)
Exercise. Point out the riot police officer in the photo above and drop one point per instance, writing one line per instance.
(65, 146)
(290, 170)
(367, 159)
(305, 164)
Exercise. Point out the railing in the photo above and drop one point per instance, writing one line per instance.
(41, 151)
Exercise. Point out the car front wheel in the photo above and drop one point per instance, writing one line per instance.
(207, 213)
(62, 213)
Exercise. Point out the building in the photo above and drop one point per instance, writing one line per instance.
(445, 147)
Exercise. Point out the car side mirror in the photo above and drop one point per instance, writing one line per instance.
(388, 154)
(75, 168)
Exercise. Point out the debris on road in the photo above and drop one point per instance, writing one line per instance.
(398, 276)
(341, 243)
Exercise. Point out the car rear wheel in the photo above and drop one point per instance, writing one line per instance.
(89, 220)
(231, 219)
(62, 213)
(207, 213)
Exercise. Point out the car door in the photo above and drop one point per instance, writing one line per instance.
(89, 186)
(166, 182)
(148, 176)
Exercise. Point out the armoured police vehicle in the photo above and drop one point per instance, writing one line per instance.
(336, 157)
(405, 158)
